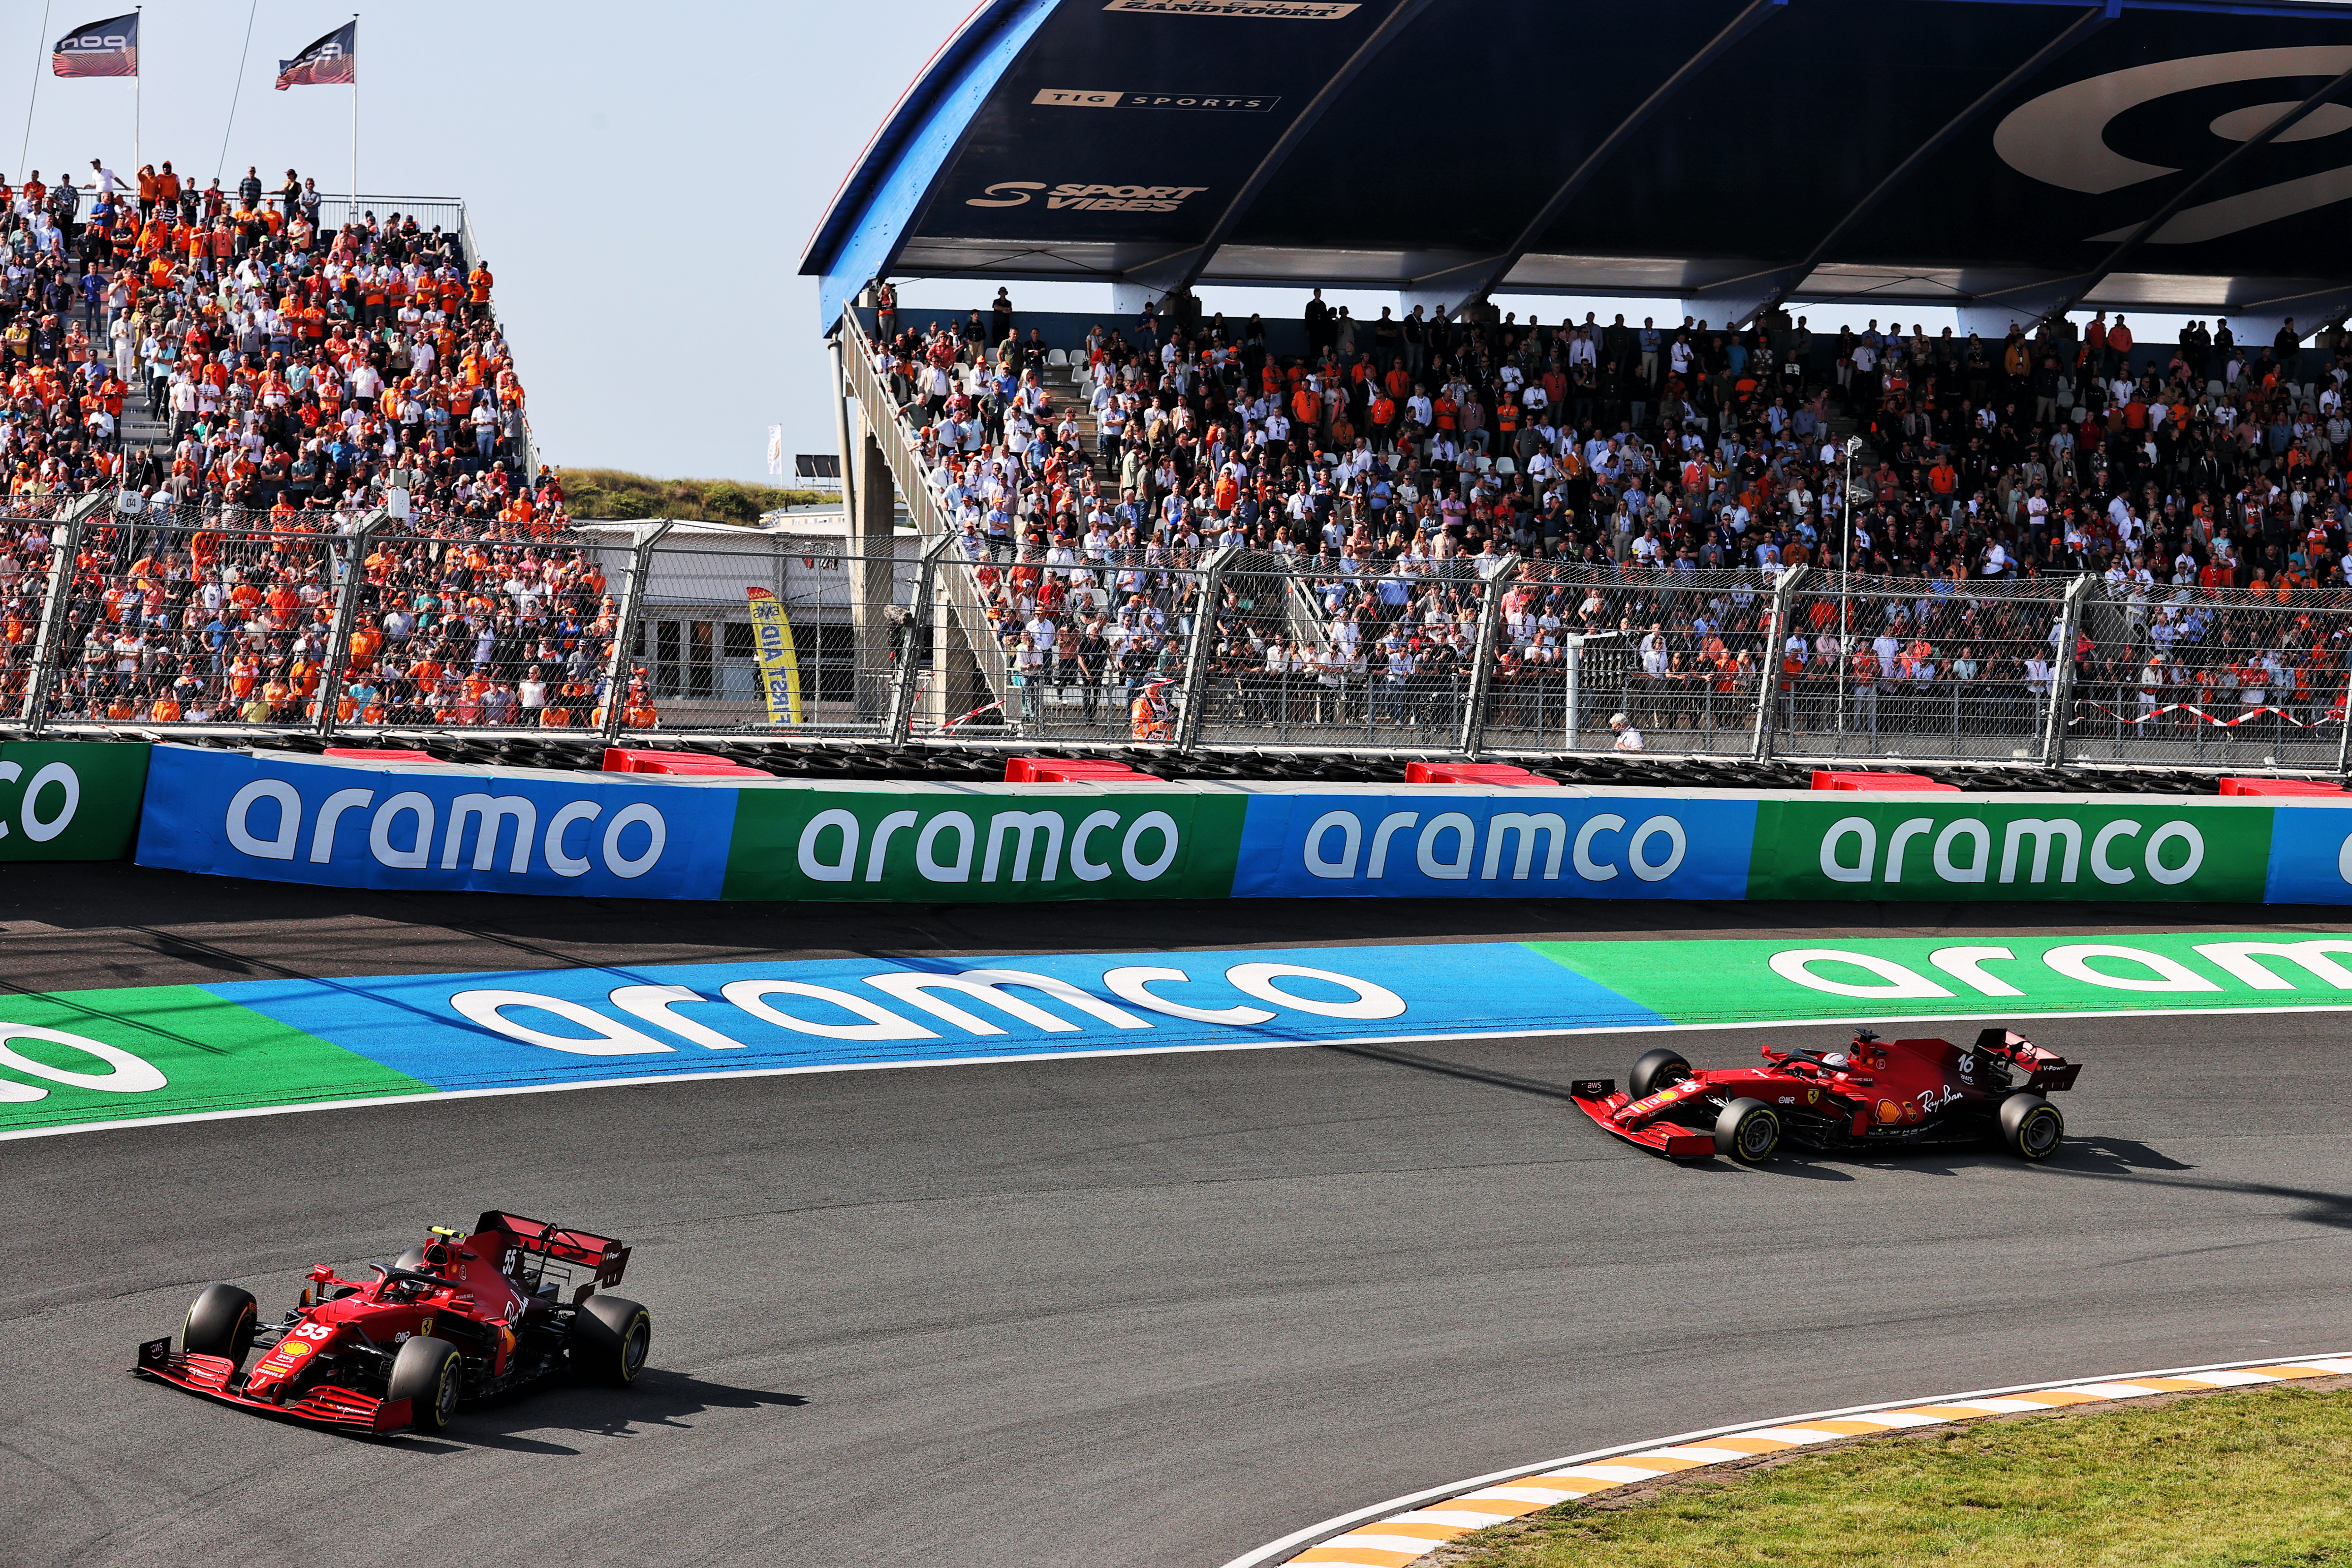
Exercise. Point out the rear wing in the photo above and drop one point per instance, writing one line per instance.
(560, 1244)
(2051, 1072)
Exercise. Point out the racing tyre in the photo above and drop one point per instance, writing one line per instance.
(1749, 1131)
(1654, 1070)
(610, 1335)
(219, 1322)
(428, 1373)
(2030, 1126)
(412, 1259)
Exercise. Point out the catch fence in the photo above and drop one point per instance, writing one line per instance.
(178, 618)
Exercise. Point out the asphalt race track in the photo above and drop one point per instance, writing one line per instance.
(1142, 1310)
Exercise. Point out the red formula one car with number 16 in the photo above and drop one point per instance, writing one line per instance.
(458, 1317)
(1875, 1094)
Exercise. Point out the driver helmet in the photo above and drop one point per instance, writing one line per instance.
(1834, 1059)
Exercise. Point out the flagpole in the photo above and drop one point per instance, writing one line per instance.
(138, 92)
(31, 98)
(356, 117)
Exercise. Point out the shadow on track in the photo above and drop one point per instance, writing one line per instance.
(659, 1398)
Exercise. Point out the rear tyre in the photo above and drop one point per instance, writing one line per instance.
(219, 1322)
(1749, 1131)
(431, 1376)
(609, 1337)
(412, 1259)
(2030, 1126)
(1654, 1070)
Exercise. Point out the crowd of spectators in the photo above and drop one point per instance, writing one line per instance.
(1649, 480)
(289, 377)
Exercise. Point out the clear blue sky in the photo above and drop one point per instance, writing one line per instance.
(641, 178)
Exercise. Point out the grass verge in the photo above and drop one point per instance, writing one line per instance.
(611, 494)
(2254, 1478)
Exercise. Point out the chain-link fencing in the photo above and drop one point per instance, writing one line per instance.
(165, 618)
(1674, 655)
(2230, 677)
(1951, 668)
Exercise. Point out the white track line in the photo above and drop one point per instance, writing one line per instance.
(1363, 1536)
(1108, 1051)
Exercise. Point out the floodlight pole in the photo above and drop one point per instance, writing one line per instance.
(1846, 587)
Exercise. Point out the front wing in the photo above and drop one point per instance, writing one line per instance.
(324, 1406)
(1600, 1098)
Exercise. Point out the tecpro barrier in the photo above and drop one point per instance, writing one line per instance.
(288, 818)
(70, 800)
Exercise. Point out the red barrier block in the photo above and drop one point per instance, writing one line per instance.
(687, 765)
(1068, 770)
(2280, 786)
(1488, 773)
(371, 754)
(1868, 783)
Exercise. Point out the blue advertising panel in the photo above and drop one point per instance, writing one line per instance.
(528, 1027)
(290, 819)
(1518, 844)
(2311, 856)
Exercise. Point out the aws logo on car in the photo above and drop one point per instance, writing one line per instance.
(1086, 197)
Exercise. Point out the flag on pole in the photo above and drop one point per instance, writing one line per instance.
(98, 49)
(332, 62)
(775, 450)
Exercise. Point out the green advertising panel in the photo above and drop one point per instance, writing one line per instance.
(949, 844)
(72, 1058)
(2139, 848)
(1855, 979)
(71, 800)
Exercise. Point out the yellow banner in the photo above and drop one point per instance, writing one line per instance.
(780, 663)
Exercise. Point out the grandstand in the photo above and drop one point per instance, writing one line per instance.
(1780, 512)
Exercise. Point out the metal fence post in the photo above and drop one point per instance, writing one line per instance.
(2061, 671)
(643, 538)
(902, 689)
(64, 549)
(1196, 650)
(1769, 667)
(1482, 658)
(352, 564)
(2344, 735)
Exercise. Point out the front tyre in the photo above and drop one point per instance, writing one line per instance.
(1749, 1131)
(609, 1337)
(1654, 1070)
(2030, 1126)
(431, 1376)
(219, 1322)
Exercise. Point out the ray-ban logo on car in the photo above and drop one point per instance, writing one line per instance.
(1094, 198)
(1095, 98)
(1277, 10)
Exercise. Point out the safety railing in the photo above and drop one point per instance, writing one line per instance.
(120, 614)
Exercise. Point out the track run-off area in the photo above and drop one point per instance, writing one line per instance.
(1097, 1293)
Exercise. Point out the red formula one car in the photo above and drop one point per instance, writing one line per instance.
(1875, 1093)
(458, 1317)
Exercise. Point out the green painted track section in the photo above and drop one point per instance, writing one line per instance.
(214, 1055)
(1975, 975)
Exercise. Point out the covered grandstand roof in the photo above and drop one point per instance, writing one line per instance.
(2010, 156)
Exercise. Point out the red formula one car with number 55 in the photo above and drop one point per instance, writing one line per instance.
(462, 1317)
(1875, 1094)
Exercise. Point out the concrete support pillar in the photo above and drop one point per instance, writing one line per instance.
(872, 526)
